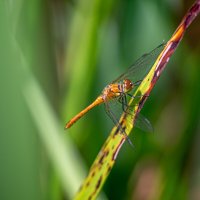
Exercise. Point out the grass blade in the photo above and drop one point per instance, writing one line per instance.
(108, 154)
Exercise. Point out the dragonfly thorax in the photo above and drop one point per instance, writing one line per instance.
(117, 89)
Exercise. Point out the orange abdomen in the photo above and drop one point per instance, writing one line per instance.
(98, 101)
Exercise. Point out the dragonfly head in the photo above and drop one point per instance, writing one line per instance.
(128, 85)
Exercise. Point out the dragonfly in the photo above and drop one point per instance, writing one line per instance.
(121, 89)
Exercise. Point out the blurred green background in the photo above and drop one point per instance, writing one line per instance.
(56, 56)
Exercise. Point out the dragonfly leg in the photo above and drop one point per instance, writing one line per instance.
(137, 82)
(124, 102)
(115, 121)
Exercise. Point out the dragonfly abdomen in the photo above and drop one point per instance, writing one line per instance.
(98, 101)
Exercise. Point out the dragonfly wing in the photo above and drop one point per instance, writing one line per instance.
(141, 67)
(115, 118)
(109, 111)
(143, 123)
(114, 109)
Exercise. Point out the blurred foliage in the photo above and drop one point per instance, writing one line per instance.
(56, 57)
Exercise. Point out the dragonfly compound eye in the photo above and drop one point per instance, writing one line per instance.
(128, 84)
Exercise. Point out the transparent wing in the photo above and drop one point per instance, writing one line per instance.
(142, 66)
(144, 124)
(114, 110)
